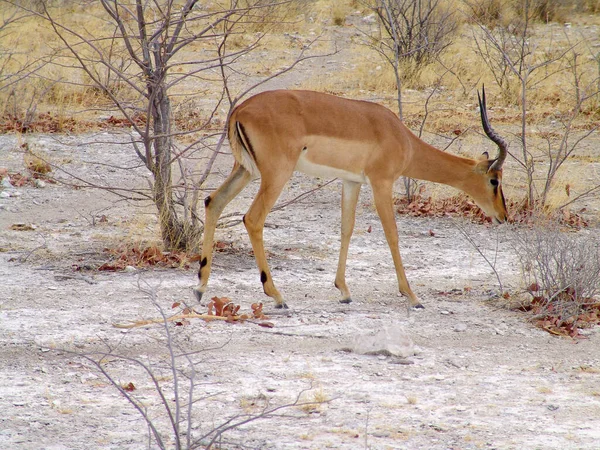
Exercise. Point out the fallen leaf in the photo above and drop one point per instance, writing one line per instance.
(129, 387)
(22, 227)
(182, 323)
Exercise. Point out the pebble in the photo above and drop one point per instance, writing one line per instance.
(460, 327)
(381, 434)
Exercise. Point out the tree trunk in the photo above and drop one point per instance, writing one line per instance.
(175, 234)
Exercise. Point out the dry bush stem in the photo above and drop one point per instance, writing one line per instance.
(174, 412)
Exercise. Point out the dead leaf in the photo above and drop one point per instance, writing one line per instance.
(22, 227)
(129, 387)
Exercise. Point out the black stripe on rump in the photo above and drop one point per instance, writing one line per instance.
(245, 141)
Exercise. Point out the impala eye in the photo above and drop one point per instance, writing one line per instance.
(494, 182)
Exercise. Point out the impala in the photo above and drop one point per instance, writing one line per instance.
(274, 133)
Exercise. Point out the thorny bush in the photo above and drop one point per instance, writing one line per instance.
(561, 270)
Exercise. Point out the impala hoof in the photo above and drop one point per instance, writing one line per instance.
(282, 306)
(417, 306)
(346, 300)
(198, 294)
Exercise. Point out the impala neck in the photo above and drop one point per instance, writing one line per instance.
(430, 164)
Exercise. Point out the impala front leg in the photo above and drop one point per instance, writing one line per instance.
(350, 192)
(382, 193)
(213, 207)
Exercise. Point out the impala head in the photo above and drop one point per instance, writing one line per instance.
(487, 183)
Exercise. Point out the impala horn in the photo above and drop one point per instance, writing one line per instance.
(501, 143)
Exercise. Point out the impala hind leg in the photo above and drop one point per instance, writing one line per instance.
(254, 220)
(213, 207)
(350, 192)
(382, 193)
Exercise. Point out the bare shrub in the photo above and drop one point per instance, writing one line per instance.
(521, 66)
(562, 273)
(141, 62)
(544, 10)
(412, 34)
(591, 6)
(487, 12)
(174, 375)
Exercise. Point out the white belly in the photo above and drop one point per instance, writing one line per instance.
(308, 167)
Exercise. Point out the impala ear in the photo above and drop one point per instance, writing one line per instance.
(484, 165)
(484, 156)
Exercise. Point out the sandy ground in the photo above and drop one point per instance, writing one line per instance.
(478, 375)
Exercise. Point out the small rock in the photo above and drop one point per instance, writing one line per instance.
(401, 361)
(390, 340)
(130, 269)
(381, 434)
(4, 194)
(88, 377)
(460, 327)
(369, 19)
(39, 184)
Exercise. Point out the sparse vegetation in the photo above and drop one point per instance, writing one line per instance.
(544, 78)
(135, 68)
(173, 377)
(562, 273)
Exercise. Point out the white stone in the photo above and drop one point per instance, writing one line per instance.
(392, 339)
